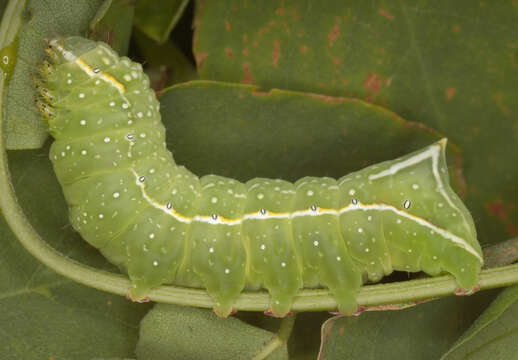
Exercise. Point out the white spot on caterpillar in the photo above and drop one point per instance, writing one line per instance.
(398, 221)
(309, 193)
(155, 263)
(360, 230)
(127, 77)
(101, 216)
(83, 152)
(227, 271)
(260, 196)
(283, 264)
(112, 103)
(82, 122)
(406, 204)
(315, 243)
(69, 81)
(415, 186)
(367, 250)
(352, 192)
(107, 139)
(262, 247)
(211, 250)
(338, 258)
(214, 200)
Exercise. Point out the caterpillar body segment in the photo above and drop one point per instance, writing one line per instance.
(163, 225)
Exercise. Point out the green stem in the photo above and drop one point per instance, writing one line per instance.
(279, 339)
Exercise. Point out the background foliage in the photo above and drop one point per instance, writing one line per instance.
(445, 68)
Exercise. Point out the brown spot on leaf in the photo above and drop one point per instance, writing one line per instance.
(255, 43)
(276, 53)
(228, 52)
(245, 38)
(328, 99)
(388, 82)
(247, 79)
(200, 58)
(227, 25)
(455, 28)
(303, 49)
(500, 209)
(280, 11)
(372, 82)
(341, 330)
(336, 60)
(385, 14)
(331, 37)
(450, 93)
(245, 52)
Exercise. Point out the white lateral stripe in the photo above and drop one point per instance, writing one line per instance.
(309, 212)
(433, 152)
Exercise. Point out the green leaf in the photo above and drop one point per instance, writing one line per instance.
(165, 63)
(421, 332)
(44, 20)
(239, 131)
(113, 23)
(47, 315)
(191, 333)
(451, 65)
(156, 18)
(493, 335)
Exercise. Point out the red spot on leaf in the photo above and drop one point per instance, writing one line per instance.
(247, 79)
(227, 26)
(296, 16)
(385, 14)
(303, 49)
(372, 82)
(336, 60)
(450, 92)
(500, 209)
(255, 43)
(229, 52)
(280, 11)
(245, 52)
(331, 37)
(455, 28)
(276, 53)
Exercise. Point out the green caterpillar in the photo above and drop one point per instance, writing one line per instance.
(162, 224)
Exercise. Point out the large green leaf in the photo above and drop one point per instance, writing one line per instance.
(44, 20)
(452, 65)
(191, 333)
(494, 334)
(45, 315)
(238, 131)
(418, 333)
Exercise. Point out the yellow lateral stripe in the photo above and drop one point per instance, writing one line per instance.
(105, 76)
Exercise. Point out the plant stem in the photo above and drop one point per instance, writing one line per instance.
(279, 339)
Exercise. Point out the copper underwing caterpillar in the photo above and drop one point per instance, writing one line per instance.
(160, 223)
